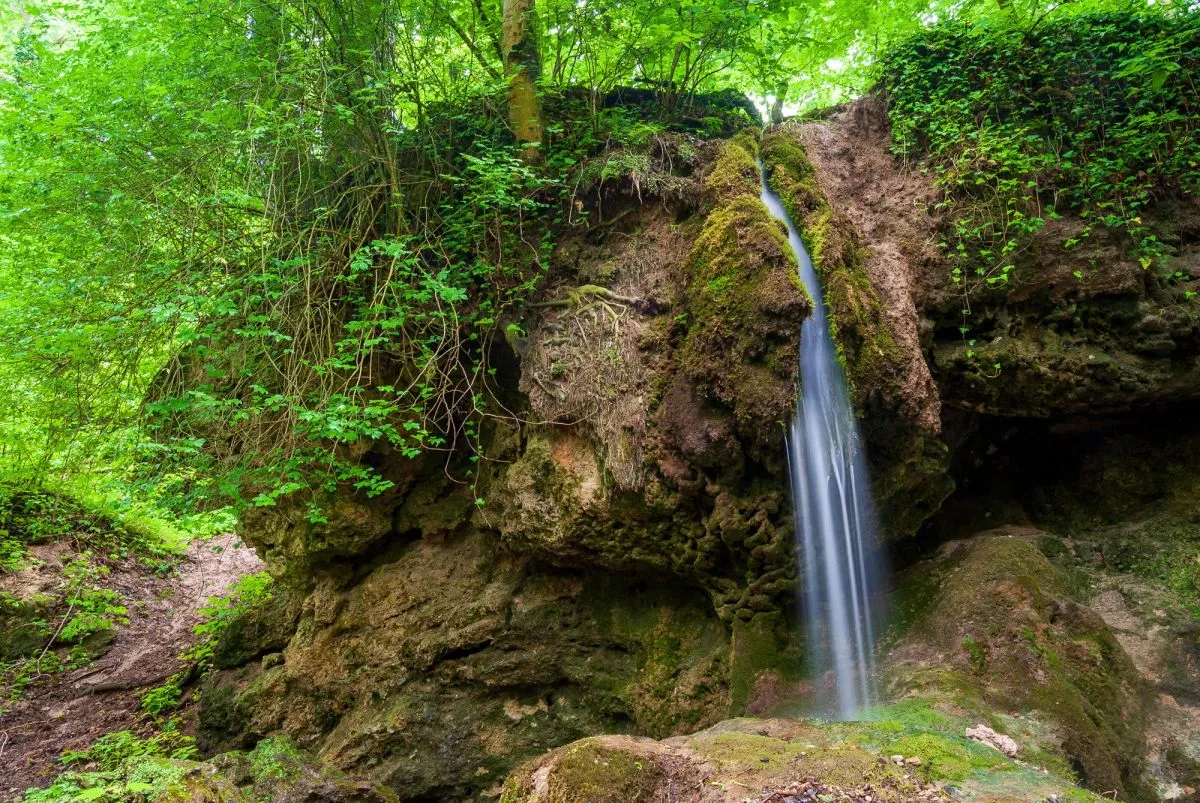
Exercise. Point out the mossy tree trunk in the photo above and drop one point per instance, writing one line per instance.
(522, 63)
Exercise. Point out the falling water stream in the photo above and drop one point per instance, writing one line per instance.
(834, 515)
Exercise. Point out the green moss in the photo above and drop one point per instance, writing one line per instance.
(849, 755)
(851, 767)
(591, 773)
(737, 749)
(975, 651)
(940, 758)
(734, 174)
(1001, 606)
(160, 773)
(680, 666)
(762, 654)
(745, 301)
(752, 754)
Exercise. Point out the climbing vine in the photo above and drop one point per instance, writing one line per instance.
(1096, 113)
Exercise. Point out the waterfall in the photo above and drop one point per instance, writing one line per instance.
(834, 516)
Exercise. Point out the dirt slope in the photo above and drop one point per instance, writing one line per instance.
(71, 711)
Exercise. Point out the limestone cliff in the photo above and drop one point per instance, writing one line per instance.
(621, 558)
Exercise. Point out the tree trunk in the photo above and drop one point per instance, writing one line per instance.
(522, 65)
(777, 106)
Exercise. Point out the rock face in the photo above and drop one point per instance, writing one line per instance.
(997, 628)
(624, 558)
(619, 556)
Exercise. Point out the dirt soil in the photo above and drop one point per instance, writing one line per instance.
(70, 711)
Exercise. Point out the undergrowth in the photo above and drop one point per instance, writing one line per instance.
(71, 614)
(119, 768)
(1096, 114)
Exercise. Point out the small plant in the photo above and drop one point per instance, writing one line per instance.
(162, 699)
(124, 768)
(90, 609)
(219, 612)
(111, 750)
(975, 652)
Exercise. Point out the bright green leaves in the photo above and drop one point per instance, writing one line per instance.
(1089, 113)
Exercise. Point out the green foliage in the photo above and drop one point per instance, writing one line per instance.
(90, 524)
(975, 652)
(161, 699)
(112, 750)
(249, 591)
(1168, 554)
(275, 759)
(1093, 113)
(127, 766)
(288, 235)
(91, 609)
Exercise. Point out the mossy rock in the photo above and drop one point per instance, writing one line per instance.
(262, 628)
(858, 325)
(745, 302)
(24, 626)
(745, 759)
(591, 773)
(997, 627)
(765, 666)
(453, 661)
(274, 770)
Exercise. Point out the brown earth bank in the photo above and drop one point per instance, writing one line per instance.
(69, 711)
(622, 560)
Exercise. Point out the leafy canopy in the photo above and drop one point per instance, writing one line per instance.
(282, 234)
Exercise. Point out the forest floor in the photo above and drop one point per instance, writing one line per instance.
(69, 711)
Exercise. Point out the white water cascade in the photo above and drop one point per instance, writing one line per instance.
(834, 514)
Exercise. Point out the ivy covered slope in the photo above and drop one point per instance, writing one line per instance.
(1067, 208)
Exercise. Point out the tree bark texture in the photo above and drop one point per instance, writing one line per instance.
(522, 64)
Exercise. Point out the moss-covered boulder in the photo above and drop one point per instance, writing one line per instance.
(909, 753)
(275, 770)
(265, 626)
(992, 626)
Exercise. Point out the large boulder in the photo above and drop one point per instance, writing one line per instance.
(618, 556)
(992, 626)
(623, 557)
(907, 754)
